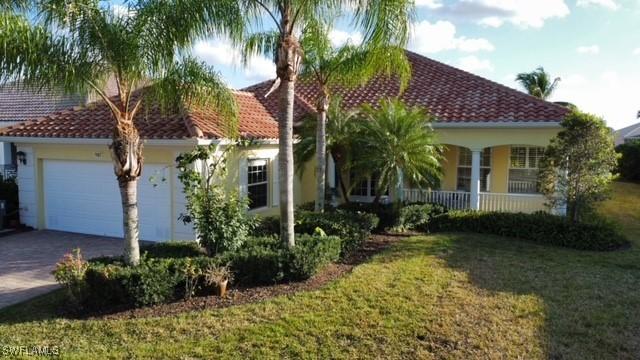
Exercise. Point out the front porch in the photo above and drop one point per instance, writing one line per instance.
(494, 178)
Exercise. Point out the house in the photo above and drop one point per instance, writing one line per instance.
(19, 103)
(494, 138)
(627, 134)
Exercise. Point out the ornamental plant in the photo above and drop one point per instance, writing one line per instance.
(70, 273)
(219, 216)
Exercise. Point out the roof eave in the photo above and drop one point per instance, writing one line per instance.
(497, 125)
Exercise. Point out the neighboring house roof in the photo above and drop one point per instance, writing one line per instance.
(18, 103)
(629, 132)
(95, 121)
(450, 94)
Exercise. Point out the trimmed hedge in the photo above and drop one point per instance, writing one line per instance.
(386, 213)
(353, 228)
(166, 269)
(414, 216)
(539, 227)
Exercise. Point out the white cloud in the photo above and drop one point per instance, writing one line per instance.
(591, 49)
(636, 51)
(495, 13)
(431, 4)
(339, 37)
(428, 38)
(474, 64)
(220, 53)
(609, 4)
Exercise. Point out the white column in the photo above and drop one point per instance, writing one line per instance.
(475, 179)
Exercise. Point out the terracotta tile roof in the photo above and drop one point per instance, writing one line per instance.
(95, 121)
(18, 103)
(451, 94)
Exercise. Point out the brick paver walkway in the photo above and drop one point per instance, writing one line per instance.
(27, 259)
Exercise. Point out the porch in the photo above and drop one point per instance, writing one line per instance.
(460, 200)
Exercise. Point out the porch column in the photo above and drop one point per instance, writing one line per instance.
(475, 179)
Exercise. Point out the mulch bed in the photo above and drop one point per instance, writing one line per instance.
(244, 295)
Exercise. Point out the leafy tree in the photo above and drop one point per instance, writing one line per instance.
(348, 66)
(219, 216)
(383, 23)
(341, 130)
(398, 143)
(538, 83)
(78, 44)
(577, 165)
(629, 160)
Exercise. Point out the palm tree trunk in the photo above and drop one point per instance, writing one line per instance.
(126, 153)
(287, 67)
(321, 151)
(337, 158)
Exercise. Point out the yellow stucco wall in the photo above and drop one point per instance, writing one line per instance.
(449, 168)
(500, 169)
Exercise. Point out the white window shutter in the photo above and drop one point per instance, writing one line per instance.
(243, 178)
(275, 188)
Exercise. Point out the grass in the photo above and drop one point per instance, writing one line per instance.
(444, 296)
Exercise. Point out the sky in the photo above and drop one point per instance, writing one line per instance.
(592, 45)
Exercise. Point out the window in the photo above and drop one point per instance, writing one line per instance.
(366, 187)
(257, 183)
(523, 170)
(464, 169)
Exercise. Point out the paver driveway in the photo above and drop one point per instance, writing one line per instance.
(27, 259)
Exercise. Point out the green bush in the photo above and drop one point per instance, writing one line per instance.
(539, 227)
(629, 160)
(267, 226)
(386, 213)
(414, 216)
(172, 250)
(311, 254)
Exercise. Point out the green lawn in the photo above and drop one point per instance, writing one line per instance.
(445, 296)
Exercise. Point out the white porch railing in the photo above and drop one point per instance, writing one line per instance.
(522, 187)
(458, 200)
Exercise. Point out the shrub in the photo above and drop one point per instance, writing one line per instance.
(267, 226)
(70, 273)
(539, 227)
(258, 261)
(414, 216)
(310, 254)
(629, 160)
(172, 249)
(386, 213)
(219, 217)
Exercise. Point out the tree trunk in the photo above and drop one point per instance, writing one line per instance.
(289, 58)
(129, 194)
(337, 158)
(126, 153)
(321, 151)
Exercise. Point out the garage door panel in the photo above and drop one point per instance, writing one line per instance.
(84, 197)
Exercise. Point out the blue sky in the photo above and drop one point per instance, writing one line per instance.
(592, 45)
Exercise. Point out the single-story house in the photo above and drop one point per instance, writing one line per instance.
(494, 137)
(627, 134)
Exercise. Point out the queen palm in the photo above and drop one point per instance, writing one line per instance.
(383, 22)
(538, 83)
(399, 143)
(341, 131)
(77, 45)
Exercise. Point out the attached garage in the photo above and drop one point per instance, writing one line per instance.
(83, 197)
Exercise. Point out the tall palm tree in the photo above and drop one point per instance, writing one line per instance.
(347, 66)
(399, 144)
(79, 44)
(538, 83)
(383, 22)
(341, 131)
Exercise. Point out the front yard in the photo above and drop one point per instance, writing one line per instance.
(441, 296)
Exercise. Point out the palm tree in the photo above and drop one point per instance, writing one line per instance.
(341, 131)
(397, 143)
(78, 44)
(538, 83)
(347, 66)
(384, 23)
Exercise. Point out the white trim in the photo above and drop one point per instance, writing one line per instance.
(275, 187)
(496, 124)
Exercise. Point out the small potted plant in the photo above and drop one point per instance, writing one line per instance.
(218, 277)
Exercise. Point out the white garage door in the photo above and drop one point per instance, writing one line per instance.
(83, 197)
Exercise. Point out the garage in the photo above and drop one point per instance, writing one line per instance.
(83, 197)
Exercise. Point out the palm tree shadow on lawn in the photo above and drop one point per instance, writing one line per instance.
(588, 302)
